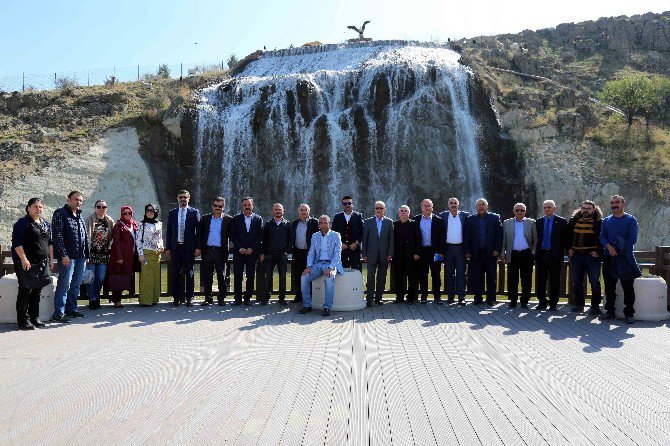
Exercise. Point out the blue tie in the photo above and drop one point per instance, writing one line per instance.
(546, 237)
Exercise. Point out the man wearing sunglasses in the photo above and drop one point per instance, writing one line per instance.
(349, 224)
(182, 246)
(215, 230)
(552, 231)
(519, 240)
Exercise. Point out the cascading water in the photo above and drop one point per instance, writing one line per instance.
(384, 121)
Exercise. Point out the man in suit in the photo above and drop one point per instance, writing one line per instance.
(303, 229)
(246, 233)
(432, 242)
(277, 243)
(483, 243)
(454, 259)
(519, 240)
(324, 259)
(377, 251)
(349, 224)
(406, 252)
(182, 246)
(215, 230)
(552, 232)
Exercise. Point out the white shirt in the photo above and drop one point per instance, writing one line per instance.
(520, 242)
(455, 229)
(347, 217)
(247, 222)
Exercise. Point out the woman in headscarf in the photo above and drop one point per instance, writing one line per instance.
(31, 248)
(149, 243)
(122, 258)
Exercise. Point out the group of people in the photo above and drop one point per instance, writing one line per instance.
(415, 247)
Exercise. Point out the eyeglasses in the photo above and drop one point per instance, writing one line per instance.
(379, 209)
(587, 209)
(151, 210)
(182, 197)
(548, 207)
(347, 203)
(127, 213)
(519, 210)
(100, 207)
(217, 206)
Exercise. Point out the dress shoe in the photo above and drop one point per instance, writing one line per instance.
(297, 300)
(577, 309)
(450, 300)
(26, 326)
(263, 302)
(553, 308)
(607, 316)
(490, 303)
(282, 302)
(175, 303)
(222, 302)
(379, 302)
(594, 311)
(399, 300)
(61, 318)
(437, 300)
(477, 301)
(247, 303)
(94, 304)
(189, 303)
(206, 302)
(461, 302)
(629, 320)
(411, 301)
(524, 305)
(38, 323)
(541, 307)
(116, 305)
(236, 303)
(326, 312)
(146, 305)
(305, 310)
(424, 299)
(368, 304)
(73, 314)
(511, 304)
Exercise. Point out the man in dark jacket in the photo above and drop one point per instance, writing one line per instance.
(584, 249)
(349, 224)
(303, 229)
(277, 243)
(214, 230)
(407, 240)
(432, 242)
(246, 233)
(552, 231)
(70, 240)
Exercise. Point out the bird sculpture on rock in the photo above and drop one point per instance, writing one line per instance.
(360, 31)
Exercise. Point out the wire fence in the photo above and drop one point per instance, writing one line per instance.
(99, 76)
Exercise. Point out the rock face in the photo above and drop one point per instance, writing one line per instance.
(392, 121)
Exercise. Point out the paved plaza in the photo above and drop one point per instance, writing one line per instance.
(390, 375)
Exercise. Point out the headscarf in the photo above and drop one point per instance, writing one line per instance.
(132, 224)
(150, 220)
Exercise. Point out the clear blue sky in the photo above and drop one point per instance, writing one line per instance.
(40, 36)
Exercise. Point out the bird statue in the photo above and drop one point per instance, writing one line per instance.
(360, 31)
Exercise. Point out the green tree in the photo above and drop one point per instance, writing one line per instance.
(636, 95)
(232, 61)
(163, 71)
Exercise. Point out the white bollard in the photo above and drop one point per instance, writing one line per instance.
(9, 288)
(348, 291)
(651, 299)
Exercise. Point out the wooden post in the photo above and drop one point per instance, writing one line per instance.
(501, 277)
(662, 267)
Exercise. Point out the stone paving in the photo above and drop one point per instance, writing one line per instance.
(395, 374)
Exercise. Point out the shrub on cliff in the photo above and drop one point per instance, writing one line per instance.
(637, 95)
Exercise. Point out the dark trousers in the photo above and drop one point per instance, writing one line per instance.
(454, 271)
(298, 265)
(548, 269)
(610, 290)
(521, 264)
(240, 264)
(482, 263)
(214, 259)
(581, 264)
(27, 300)
(281, 262)
(376, 279)
(351, 258)
(182, 264)
(427, 262)
(403, 276)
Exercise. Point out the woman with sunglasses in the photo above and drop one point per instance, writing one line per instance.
(149, 243)
(99, 226)
(122, 257)
(31, 247)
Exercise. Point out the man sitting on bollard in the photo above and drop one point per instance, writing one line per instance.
(324, 258)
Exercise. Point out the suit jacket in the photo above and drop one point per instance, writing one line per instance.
(409, 244)
(445, 217)
(529, 232)
(493, 234)
(356, 223)
(243, 239)
(334, 246)
(437, 235)
(312, 227)
(277, 238)
(205, 224)
(559, 236)
(191, 229)
(377, 247)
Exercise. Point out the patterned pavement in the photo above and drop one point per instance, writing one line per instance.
(395, 374)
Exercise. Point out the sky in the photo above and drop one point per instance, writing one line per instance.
(48, 36)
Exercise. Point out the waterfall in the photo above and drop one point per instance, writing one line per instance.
(385, 120)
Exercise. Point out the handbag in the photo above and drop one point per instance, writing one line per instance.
(119, 282)
(38, 276)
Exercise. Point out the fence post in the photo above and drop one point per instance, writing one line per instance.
(54, 80)
(501, 277)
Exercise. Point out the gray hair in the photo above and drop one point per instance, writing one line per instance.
(520, 204)
(306, 205)
(324, 216)
(552, 202)
(482, 200)
(404, 206)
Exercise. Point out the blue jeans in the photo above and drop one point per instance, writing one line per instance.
(67, 289)
(318, 270)
(585, 263)
(99, 271)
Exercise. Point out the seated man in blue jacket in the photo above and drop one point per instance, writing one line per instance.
(324, 259)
